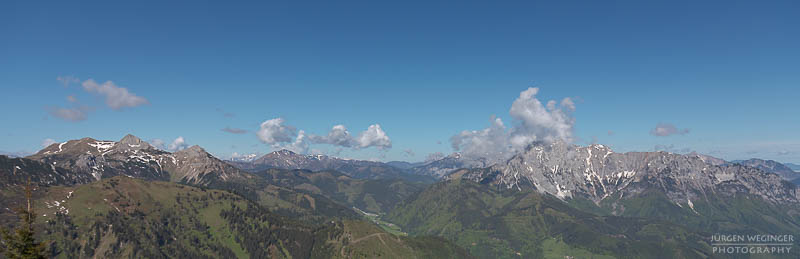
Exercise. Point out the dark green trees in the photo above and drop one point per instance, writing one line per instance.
(20, 243)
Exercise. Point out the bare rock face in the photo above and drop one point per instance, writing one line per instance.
(134, 157)
(195, 165)
(596, 172)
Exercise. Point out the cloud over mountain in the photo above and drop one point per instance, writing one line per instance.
(532, 120)
(178, 143)
(374, 136)
(280, 136)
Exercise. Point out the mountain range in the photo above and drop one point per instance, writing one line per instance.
(285, 159)
(130, 199)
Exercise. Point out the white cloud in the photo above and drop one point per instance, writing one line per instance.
(374, 136)
(533, 122)
(539, 124)
(72, 99)
(338, 136)
(493, 141)
(273, 132)
(116, 97)
(408, 152)
(300, 144)
(67, 80)
(281, 136)
(666, 129)
(47, 142)
(178, 144)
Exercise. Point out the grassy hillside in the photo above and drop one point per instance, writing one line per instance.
(123, 217)
(740, 214)
(375, 195)
(512, 224)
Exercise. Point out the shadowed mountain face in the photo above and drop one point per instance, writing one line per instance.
(285, 159)
(17, 171)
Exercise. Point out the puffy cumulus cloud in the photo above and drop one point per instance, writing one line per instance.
(281, 136)
(234, 130)
(666, 129)
(493, 141)
(533, 122)
(300, 143)
(338, 136)
(73, 114)
(374, 136)
(67, 80)
(47, 142)
(116, 97)
(178, 144)
(274, 131)
(537, 123)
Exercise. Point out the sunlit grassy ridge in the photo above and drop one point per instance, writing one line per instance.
(512, 224)
(123, 217)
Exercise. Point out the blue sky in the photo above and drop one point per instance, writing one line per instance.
(727, 71)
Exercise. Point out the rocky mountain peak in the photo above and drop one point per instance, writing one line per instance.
(132, 142)
(194, 150)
